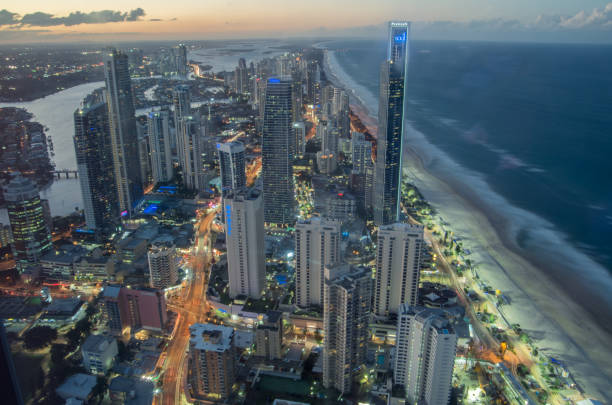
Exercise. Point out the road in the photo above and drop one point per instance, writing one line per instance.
(192, 310)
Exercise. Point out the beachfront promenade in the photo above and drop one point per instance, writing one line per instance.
(515, 348)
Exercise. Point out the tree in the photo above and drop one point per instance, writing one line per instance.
(39, 337)
(58, 353)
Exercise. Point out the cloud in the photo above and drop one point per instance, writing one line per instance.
(135, 14)
(41, 19)
(155, 19)
(8, 18)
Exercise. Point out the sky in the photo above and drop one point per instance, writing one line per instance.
(522, 20)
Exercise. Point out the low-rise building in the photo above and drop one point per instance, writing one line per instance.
(99, 353)
(77, 386)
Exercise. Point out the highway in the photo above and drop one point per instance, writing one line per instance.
(191, 310)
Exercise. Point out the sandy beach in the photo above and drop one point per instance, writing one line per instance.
(565, 312)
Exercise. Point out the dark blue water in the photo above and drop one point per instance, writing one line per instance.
(534, 119)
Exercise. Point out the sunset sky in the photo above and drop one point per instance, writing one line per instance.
(71, 20)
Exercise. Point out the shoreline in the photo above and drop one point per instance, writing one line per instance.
(542, 305)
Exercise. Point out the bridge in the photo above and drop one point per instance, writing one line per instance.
(68, 173)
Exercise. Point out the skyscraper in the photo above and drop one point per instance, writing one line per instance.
(269, 336)
(191, 153)
(299, 131)
(232, 165)
(317, 244)
(241, 77)
(391, 110)
(160, 146)
(31, 235)
(180, 60)
(346, 315)
(124, 138)
(425, 355)
(94, 157)
(181, 99)
(244, 230)
(163, 267)
(398, 266)
(277, 161)
(212, 354)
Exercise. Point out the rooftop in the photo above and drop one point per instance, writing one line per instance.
(210, 337)
(96, 343)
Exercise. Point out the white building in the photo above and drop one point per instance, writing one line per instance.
(398, 265)
(163, 267)
(425, 355)
(317, 244)
(244, 234)
(346, 316)
(99, 353)
(160, 146)
(191, 140)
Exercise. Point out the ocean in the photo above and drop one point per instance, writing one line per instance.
(510, 144)
(532, 120)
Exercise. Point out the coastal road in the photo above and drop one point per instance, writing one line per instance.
(192, 310)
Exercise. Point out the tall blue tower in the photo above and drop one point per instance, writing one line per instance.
(392, 105)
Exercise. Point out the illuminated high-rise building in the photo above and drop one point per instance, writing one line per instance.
(180, 60)
(191, 153)
(425, 355)
(124, 137)
(31, 235)
(163, 266)
(317, 244)
(299, 131)
(213, 360)
(232, 165)
(391, 108)
(181, 99)
(398, 266)
(160, 146)
(277, 159)
(346, 316)
(241, 77)
(244, 230)
(94, 157)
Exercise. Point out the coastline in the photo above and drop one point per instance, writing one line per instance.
(545, 306)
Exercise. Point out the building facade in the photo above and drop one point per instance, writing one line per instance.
(94, 157)
(160, 145)
(425, 355)
(143, 308)
(398, 266)
(269, 336)
(277, 161)
(346, 316)
(244, 230)
(31, 235)
(163, 266)
(317, 245)
(99, 353)
(213, 361)
(232, 166)
(391, 108)
(191, 153)
(124, 137)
